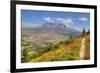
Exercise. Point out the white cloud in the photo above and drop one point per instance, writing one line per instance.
(48, 19)
(67, 21)
(84, 19)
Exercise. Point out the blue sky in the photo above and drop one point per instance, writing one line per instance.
(76, 20)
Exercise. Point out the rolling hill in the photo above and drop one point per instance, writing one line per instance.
(48, 32)
(67, 50)
(52, 42)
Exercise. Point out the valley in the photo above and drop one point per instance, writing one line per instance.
(52, 43)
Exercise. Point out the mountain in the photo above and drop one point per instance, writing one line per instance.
(59, 28)
(48, 32)
(44, 38)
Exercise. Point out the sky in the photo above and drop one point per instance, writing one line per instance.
(76, 20)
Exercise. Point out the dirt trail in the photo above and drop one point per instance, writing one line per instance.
(82, 49)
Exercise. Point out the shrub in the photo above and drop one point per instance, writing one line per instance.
(24, 55)
(56, 46)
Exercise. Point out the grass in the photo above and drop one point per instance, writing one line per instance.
(63, 51)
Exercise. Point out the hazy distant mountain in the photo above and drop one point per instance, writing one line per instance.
(48, 32)
(58, 28)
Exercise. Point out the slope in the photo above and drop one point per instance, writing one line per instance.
(68, 50)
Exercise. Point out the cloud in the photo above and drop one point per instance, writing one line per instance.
(64, 21)
(84, 19)
(67, 21)
(48, 19)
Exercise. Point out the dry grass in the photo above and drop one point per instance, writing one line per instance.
(66, 51)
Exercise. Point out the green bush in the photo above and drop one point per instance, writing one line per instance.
(56, 46)
(24, 55)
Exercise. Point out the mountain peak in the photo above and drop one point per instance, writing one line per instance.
(54, 25)
(58, 28)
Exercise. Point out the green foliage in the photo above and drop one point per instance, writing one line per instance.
(71, 54)
(34, 55)
(88, 32)
(28, 55)
(56, 46)
(71, 36)
(83, 32)
(49, 46)
(25, 57)
(68, 41)
(62, 51)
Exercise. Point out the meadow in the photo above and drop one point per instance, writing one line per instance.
(67, 50)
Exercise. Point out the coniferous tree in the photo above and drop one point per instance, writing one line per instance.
(84, 31)
(71, 36)
(88, 32)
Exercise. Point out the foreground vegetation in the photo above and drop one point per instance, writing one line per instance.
(62, 51)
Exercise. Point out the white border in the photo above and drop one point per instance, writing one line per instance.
(20, 65)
